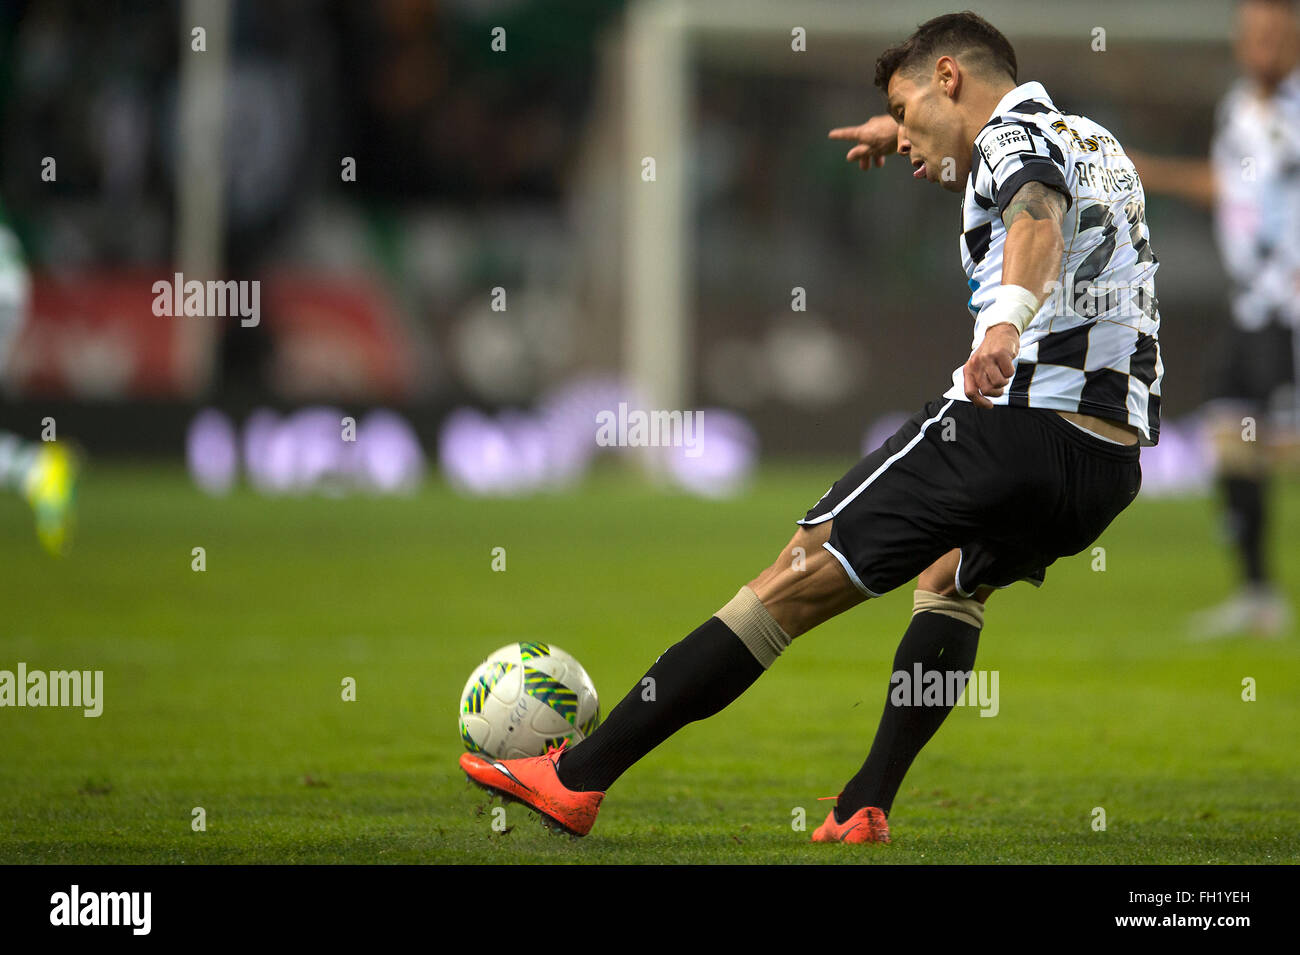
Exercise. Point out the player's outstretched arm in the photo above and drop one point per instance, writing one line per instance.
(1189, 179)
(876, 139)
(1031, 264)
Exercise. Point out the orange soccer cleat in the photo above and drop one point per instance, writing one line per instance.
(868, 824)
(535, 782)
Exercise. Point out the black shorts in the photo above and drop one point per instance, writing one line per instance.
(1256, 368)
(1013, 488)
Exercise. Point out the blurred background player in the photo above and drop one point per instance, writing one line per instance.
(44, 473)
(1252, 182)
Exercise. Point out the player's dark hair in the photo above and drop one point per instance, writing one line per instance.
(966, 36)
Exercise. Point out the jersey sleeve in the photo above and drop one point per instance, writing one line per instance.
(1011, 154)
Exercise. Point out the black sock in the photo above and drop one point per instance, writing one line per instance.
(937, 642)
(693, 679)
(1245, 500)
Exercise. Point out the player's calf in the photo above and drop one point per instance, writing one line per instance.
(941, 638)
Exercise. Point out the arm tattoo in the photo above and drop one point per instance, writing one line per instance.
(1036, 201)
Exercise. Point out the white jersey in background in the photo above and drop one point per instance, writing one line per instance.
(1256, 159)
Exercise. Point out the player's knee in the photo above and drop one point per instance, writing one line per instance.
(941, 576)
(757, 629)
(966, 609)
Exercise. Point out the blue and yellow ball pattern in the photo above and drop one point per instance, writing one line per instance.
(526, 698)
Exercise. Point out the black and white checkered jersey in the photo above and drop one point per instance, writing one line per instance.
(1256, 159)
(1093, 347)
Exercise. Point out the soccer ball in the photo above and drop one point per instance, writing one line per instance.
(524, 699)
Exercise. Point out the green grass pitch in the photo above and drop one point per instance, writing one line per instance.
(223, 688)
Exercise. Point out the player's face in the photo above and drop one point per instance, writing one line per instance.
(929, 130)
(1267, 41)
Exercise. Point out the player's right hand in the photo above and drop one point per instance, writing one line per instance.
(876, 139)
(988, 371)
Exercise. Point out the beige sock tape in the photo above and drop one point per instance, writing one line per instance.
(966, 609)
(749, 620)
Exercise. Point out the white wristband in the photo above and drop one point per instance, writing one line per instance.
(1011, 304)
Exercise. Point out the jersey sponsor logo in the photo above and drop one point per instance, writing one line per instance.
(1005, 142)
(1082, 143)
(1089, 144)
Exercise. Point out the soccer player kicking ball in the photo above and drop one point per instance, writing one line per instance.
(1043, 423)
